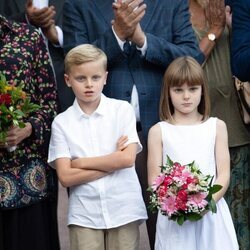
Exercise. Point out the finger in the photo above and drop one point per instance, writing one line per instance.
(29, 3)
(134, 5)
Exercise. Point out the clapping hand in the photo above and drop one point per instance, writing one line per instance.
(127, 19)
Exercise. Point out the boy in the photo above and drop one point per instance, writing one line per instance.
(94, 158)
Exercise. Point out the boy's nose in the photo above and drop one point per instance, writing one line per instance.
(89, 83)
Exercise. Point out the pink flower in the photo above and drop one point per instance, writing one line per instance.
(198, 200)
(181, 200)
(158, 181)
(169, 205)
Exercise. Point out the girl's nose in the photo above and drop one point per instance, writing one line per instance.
(186, 94)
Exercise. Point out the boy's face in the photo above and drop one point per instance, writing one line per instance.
(87, 81)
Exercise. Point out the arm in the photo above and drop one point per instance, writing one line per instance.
(222, 159)
(69, 176)
(154, 153)
(216, 18)
(240, 39)
(181, 40)
(43, 82)
(114, 161)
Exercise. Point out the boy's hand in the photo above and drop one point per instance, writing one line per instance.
(121, 143)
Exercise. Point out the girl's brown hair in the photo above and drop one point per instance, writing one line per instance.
(183, 70)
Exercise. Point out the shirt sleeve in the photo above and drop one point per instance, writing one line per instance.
(58, 147)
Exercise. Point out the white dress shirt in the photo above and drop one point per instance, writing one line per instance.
(113, 200)
(134, 95)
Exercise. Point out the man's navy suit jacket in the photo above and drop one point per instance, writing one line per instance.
(169, 35)
(241, 39)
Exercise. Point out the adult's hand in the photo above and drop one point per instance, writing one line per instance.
(15, 135)
(127, 14)
(42, 18)
(216, 16)
(228, 16)
(51, 34)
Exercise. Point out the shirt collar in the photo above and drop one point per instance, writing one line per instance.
(102, 108)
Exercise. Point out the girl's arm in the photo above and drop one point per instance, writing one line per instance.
(222, 158)
(154, 153)
(69, 176)
(117, 160)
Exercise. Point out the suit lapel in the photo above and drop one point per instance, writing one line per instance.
(151, 6)
(105, 8)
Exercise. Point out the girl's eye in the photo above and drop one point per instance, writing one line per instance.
(177, 90)
(193, 89)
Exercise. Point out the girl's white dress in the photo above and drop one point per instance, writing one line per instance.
(185, 144)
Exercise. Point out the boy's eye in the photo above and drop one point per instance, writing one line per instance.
(80, 78)
(96, 77)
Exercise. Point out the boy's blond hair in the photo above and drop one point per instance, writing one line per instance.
(82, 54)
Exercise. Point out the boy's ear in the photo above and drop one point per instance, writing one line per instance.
(66, 78)
(106, 77)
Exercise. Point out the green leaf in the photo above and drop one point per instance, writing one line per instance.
(215, 188)
(180, 219)
(193, 217)
(212, 206)
(169, 161)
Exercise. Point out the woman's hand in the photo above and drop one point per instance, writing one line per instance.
(121, 143)
(216, 16)
(15, 135)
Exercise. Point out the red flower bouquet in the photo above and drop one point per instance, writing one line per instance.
(14, 106)
(182, 192)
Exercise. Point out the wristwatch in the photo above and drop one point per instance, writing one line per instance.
(211, 37)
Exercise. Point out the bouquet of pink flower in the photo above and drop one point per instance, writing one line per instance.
(15, 105)
(182, 192)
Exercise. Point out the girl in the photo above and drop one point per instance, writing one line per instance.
(186, 133)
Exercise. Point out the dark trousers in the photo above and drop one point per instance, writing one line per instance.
(141, 169)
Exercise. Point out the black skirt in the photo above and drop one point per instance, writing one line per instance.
(30, 228)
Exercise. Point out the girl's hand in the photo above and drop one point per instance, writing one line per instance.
(120, 145)
(216, 16)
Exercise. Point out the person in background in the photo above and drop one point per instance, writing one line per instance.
(211, 22)
(46, 15)
(139, 43)
(28, 201)
(241, 39)
(93, 147)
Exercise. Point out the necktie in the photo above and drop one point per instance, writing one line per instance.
(126, 47)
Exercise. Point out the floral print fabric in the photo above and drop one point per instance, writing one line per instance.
(25, 176)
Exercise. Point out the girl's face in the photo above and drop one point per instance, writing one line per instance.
(185, 98)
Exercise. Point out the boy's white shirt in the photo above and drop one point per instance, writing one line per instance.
(113, 200)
